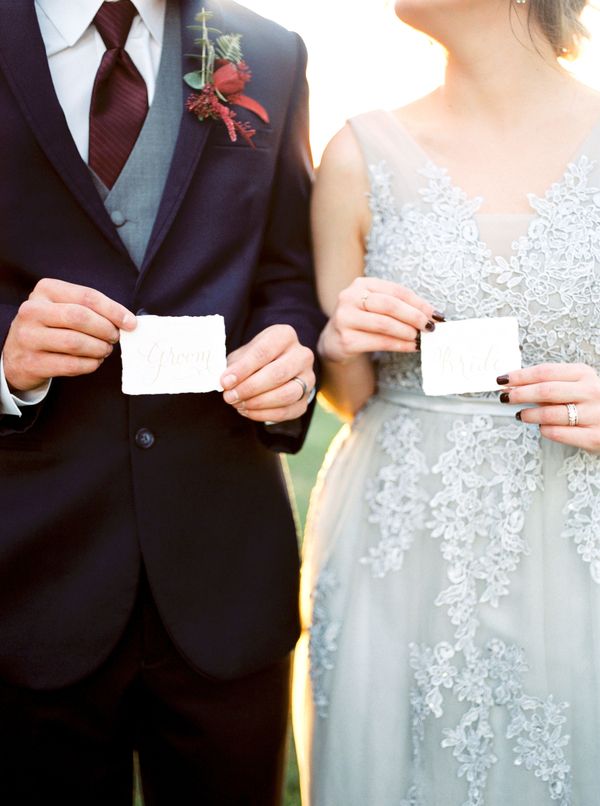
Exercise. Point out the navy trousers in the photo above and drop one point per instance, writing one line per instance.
(199, 740)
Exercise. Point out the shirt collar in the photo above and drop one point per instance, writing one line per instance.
(72, 19)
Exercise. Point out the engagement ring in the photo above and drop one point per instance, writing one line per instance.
(572, 413)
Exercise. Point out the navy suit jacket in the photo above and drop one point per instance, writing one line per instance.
(205, 505)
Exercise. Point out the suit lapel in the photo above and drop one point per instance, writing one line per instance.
(192, 135)
(23, 59)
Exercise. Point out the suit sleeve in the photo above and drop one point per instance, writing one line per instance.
(284, 290)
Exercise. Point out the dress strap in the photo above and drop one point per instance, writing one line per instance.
(383, 140)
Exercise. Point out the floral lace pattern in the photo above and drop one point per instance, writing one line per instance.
(489, 679)
(323, 633)
(491, 472)
(549, 282)
(583, 510)
(396, 498)
(488, 475)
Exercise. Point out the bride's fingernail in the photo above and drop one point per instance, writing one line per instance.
(439, 317)
(505, 397)
(502, 379)
(518, 416)
(418, 341)
(430, 326)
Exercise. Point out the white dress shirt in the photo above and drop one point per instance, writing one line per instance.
(75, 49)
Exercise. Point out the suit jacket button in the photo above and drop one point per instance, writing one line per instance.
(144, 438)
(117, 218)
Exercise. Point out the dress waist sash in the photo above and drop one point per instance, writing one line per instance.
(451, 404)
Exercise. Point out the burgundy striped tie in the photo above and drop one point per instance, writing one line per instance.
(119, 99)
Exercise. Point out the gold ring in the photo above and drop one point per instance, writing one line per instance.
(363, 302)
(303, 385)
(572, 414)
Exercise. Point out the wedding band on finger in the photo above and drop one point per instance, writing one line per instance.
(363, 302)
(572, 414)
(304, 387)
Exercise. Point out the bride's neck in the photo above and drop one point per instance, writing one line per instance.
(502, 73)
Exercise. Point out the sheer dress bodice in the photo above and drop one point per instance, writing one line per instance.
(543, 268)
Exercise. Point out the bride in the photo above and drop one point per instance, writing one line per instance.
(451, 584)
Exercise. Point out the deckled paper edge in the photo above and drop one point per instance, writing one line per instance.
(127, 334)
(476, 390)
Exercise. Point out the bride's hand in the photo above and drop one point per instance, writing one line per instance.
(561, 391)
(374, 315)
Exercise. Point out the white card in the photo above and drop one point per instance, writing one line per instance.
(173, 354)
(468, 355)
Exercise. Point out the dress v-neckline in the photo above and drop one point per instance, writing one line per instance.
(480, 198)
(528, 219)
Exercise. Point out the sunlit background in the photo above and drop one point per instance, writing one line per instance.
(362, 57)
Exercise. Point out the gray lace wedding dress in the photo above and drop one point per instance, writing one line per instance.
(451, 584)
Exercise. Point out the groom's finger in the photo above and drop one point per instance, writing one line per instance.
(40, 314)
(59, 291)
(276, 415)
(260, 352)
(293, 363)
(287, 394)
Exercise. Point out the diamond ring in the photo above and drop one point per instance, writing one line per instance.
(572, 413)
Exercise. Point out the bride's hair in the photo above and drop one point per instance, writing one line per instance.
(561, 24)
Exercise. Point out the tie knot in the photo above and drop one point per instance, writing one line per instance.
(113, 22)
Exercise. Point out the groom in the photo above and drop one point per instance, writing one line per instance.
(148, 558)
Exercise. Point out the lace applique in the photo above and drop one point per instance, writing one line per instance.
(396, 498)
(550, 282)
(488, 479)
(583, 510)
(489, 679)
(322, 643)
(489, 476)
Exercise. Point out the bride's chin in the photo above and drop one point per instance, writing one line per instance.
(426, 14)
(421, 14)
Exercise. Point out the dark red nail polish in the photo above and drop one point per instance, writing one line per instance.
(505, 397)
(430, 326)
(518, 416)
(418, 341)
(439, 317)
(502, 379)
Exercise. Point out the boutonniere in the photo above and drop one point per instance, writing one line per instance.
(220, 81)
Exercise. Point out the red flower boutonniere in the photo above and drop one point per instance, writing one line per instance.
(220, 81)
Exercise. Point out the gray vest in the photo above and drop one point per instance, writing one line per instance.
(133, 201)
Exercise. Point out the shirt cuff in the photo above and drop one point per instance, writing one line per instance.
(11, 404)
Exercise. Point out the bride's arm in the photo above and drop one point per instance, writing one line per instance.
(365, 314)
(340, 218)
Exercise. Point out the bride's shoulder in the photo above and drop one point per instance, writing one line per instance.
(582, 105)
(343, 155)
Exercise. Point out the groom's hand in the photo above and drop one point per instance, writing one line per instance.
(270, 379)
(61, 330)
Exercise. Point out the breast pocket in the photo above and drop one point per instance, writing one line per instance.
(261, 140)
